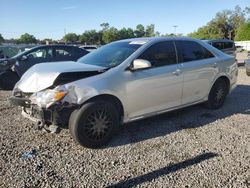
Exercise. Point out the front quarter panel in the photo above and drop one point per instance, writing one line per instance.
(106, 83)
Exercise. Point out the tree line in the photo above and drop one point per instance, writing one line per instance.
(230, 24)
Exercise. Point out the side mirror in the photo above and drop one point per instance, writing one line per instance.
(24, 57)
(140, 64)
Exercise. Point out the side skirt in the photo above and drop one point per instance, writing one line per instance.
(163, 111)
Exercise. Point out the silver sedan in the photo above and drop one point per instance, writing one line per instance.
(122, 82)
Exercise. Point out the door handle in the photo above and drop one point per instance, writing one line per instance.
(177, 72)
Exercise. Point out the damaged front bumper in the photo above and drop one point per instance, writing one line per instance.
(56, 115)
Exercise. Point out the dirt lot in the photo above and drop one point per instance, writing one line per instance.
(194, 147)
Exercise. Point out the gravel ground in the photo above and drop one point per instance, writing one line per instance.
(193, 147)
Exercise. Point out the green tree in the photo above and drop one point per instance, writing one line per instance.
(1, 39)
(150, 30)
(243, 33)
(91, 37)
(71, 37)
(110, 35)
(125, 33)
(206, 32)
(105, 26)
(27, 39)
(140, 31)
(223, 25)
(130, 33)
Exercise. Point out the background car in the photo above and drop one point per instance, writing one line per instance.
(11, 69)
(225, 45)
(89, 48)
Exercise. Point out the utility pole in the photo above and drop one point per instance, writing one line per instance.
(175, 26)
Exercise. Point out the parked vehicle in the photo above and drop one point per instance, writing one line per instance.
(225, 45)
(122, 82)
(89, 48)
(11, 69)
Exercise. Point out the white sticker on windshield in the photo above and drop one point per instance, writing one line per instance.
(137, 42)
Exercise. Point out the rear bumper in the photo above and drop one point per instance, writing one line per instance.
(55, 115)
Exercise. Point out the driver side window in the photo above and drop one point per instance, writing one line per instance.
(40, 53)
(160, 54)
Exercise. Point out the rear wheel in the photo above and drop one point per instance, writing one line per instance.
(217, 94)
(94, 124)
(8, 80)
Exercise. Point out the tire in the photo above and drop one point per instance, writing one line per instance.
(88, 127)
(248, 73)
(217, 95)
(8, 80)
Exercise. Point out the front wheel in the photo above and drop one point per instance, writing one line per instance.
(217, 95)
(94, 124)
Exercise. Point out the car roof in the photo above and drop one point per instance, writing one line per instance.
(218, 40)
(157, 39)
(54, 45)
(57, 45)
(49, 45)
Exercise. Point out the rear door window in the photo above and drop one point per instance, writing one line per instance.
(218, 45)
(207, 53)
(228, 45)
(190, 51)
(160, 54)
(63, 53)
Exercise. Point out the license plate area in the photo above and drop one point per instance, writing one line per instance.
(38, 113)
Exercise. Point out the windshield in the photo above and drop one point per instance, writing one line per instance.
(25, 52)
(110, 55)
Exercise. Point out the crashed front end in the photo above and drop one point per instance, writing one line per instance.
(48, 98)
(48, 109)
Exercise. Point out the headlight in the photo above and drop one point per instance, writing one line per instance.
(47, 97)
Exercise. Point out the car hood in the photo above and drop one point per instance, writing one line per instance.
(42, 76)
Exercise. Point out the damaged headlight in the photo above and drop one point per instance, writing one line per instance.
(48, 97)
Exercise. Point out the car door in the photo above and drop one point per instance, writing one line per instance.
(63, 53)
(157, 88)
(38, 55)
(198, 68)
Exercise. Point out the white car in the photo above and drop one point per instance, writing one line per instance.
(122, 82)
